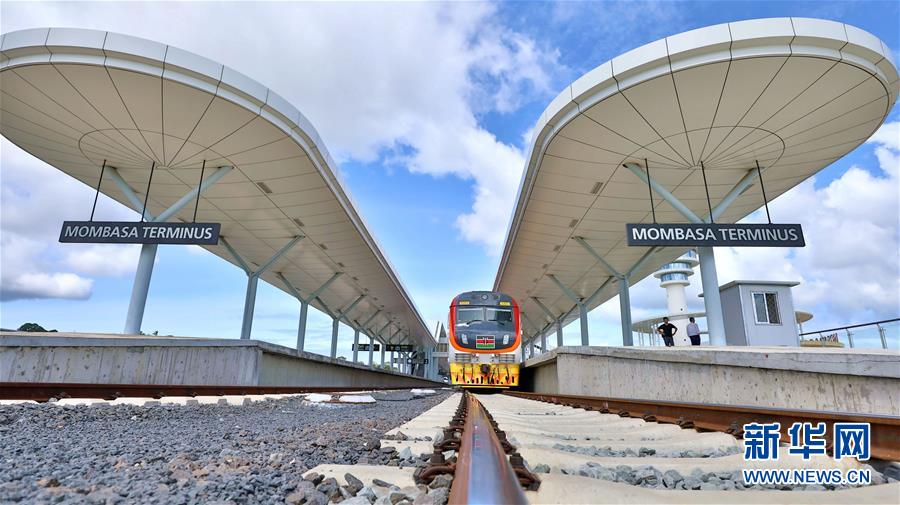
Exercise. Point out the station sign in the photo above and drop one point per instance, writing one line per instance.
(116, 232)
(414, 361)
(400, 348)
(716, 235)
(365, 347)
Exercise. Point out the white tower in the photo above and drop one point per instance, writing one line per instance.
(674, 277)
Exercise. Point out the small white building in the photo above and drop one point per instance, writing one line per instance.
(759, 313)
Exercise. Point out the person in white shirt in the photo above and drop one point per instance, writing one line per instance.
(693, 332)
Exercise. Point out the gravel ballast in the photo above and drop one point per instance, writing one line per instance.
(186, 454)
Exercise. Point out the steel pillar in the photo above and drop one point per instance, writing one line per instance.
(356, 335)
(253, 279)
(144, 272)
(553, 318)
(371, 349)
(579, 302)
(249, 305)
(139, 289)
(715, 320)
(624, 298)
(334, 336)
(583, 321)
(625, 310)
(301, 326)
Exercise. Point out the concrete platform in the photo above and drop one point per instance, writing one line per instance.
(118, 359)
(845, 380)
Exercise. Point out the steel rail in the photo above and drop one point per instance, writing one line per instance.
(884, 432)
(483, 472)
(43, 391)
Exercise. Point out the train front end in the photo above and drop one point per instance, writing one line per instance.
(485, 337)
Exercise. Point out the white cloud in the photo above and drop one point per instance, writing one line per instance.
(40, 285)
(849, 269)
(103, 260)
(34, 200)
(403, 82)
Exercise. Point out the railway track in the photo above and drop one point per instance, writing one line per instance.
(531, 448)
(612, 453)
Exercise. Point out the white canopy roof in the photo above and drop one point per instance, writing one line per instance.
(74, 98)
(795, 94)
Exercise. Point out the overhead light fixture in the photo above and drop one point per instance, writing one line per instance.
(341, 265)
(263, 186)
(573, 223)
(557, 248)
(324, 247)
(596, 188)
(299, 222)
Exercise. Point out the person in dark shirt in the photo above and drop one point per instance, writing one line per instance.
(668, 331)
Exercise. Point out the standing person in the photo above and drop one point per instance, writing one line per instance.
(668, 331)
(693, 332)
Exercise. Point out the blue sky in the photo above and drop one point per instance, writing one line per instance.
(428, 109)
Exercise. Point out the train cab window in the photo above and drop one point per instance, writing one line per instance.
(502, 316)
(466, 315)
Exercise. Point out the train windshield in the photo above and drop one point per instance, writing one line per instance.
(501, 316)
(466, 315)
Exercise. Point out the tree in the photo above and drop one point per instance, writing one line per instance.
(31, 327)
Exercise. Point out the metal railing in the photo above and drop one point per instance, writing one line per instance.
(877, 334)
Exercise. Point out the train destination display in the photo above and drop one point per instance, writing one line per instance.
(113, 232)
(714, 235)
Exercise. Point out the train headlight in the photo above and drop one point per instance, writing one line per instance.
(465, 340)
(505, 339)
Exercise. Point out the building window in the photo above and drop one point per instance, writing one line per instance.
(673, 277)
(766, 307)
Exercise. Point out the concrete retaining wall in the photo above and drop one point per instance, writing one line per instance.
(116, 359)
(843, 380)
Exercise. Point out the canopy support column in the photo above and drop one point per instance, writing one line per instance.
(624, 298)
(715, 320)
(625, 310)
(553, 318)
(304, 305)
(253, 279)
(356, 337)
(336, 321)
(355, 344)
(579, 302)
(144, 271)
(383, 341)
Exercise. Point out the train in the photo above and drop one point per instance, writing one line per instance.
(485, 336)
